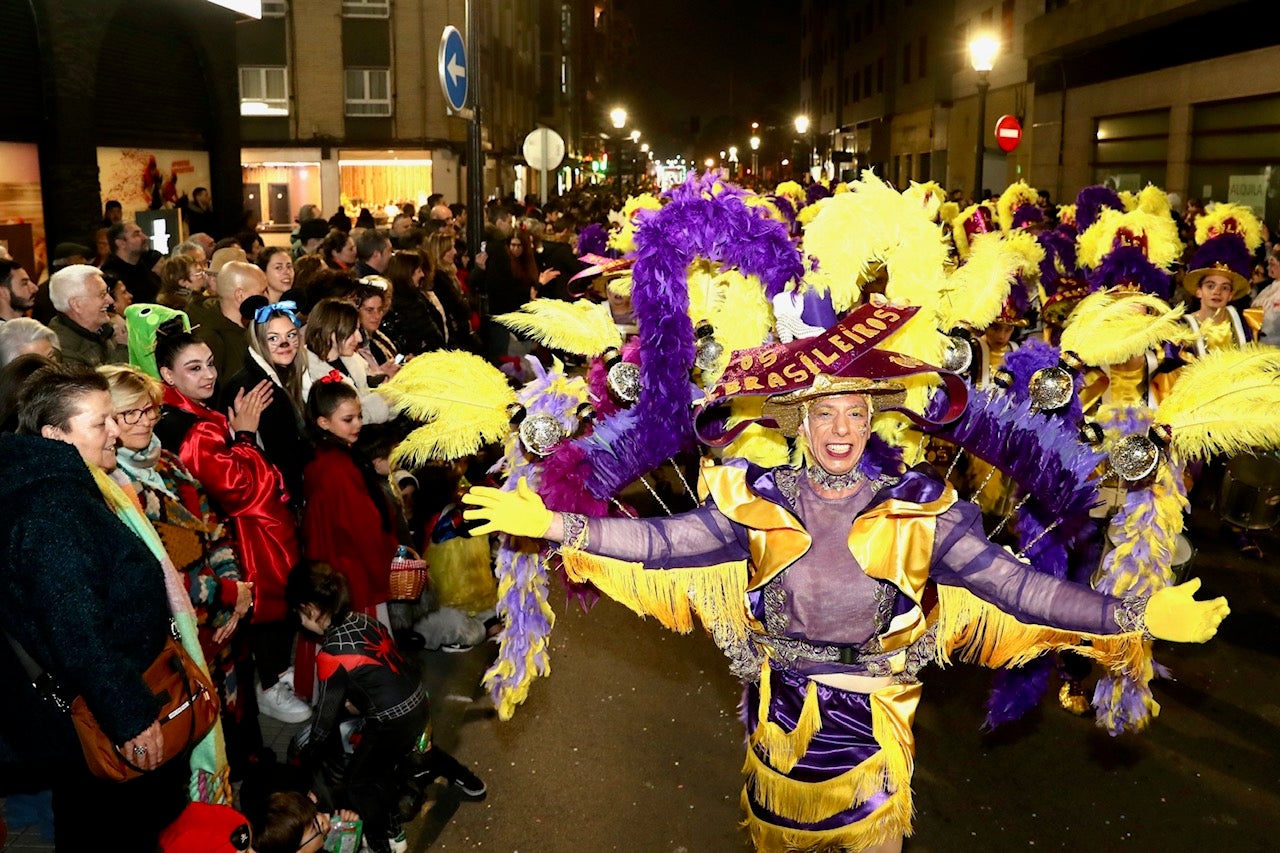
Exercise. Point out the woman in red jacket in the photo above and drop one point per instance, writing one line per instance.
(222, 453)
(347, 522)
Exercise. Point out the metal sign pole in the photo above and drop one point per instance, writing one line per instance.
(475, 152)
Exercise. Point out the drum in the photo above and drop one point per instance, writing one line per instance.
(1184, 554)
(1250, 496)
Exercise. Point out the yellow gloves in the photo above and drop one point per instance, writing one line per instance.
(1172, 614)
(518, 513)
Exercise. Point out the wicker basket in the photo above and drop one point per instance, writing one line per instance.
(408, 577)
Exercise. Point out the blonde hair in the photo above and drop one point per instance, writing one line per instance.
(129, 386)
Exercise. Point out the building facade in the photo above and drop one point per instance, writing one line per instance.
(1180, 93)
(341, 103)
(131, 100)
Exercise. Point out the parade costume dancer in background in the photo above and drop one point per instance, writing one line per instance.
(832, 618)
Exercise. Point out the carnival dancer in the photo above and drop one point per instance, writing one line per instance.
(831, 559)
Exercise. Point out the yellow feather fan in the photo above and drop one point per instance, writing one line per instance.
(1163, 248)
(581, 327)
(1015, 196)
(1225, 403)
(1222, 218)
(463, 400)
(1111, 327)
(623, 240)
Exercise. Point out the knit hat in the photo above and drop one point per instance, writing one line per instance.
(205, 828)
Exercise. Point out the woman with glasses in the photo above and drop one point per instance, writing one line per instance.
(276, 356)
(221, 451)
(197, 541)
(373, 298)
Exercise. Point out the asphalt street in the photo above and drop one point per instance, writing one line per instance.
(633, 744)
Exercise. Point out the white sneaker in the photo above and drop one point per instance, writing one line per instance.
(286, 678)
(278, 702)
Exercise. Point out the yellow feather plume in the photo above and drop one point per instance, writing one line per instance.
(1152, 199)
(767, 204)
(1222, 218)
(619, 285)
(976, 290)
(1111, 327)
(764, 447)
(929, 195)
(1015, 196)
(792, 190)
(462, 398)
(623, 239)
(581, 327)
(809, 212)
(959, 236)
(1067, 214)
(1225, 403)
(1163, 248)
(1128, 199)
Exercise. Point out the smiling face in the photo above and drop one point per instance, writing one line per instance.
(350, 345)
(836, 430)
(279, 273)
(92, 430)
(282, 340)
(193, 373)
(143, 414)
(1214, 291)
(344, 422)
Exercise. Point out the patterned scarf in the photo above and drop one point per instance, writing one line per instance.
(210, 775)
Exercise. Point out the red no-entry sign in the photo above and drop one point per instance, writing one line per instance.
(1008, 132)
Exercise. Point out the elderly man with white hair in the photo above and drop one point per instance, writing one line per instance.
(86, 331)
(24, 336)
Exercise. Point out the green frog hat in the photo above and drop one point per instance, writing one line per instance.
(142, 320)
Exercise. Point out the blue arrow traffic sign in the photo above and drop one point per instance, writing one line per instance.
(453, 68)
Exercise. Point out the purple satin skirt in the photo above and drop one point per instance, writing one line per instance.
(844, 741)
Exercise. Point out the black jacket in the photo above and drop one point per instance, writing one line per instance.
(81, 593)
(280, 430)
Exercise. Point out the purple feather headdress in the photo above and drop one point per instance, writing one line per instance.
(815, 193)
(1226, 252)
(1027, 214)
(1128, 266)
(1059, 259)
(1091, 202)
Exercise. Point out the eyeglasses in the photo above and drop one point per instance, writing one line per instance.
(132, 416)
(277, 342)
(315, 821)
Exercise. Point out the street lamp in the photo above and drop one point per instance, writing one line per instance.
(982, 56)
(619, 117)
(755, 151)
(802, 128)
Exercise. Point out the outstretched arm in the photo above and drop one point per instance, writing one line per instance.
(703, 537)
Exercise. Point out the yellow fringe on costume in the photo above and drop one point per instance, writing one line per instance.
(978, 632)
(717, 594)
(786, 748)
(581, 327)
(889, 769)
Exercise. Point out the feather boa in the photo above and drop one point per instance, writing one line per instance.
(703, 218)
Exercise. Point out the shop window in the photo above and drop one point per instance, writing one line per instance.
(1131, 150)
(366, 9)
(274, 8)
(368, 92)
(264, 91)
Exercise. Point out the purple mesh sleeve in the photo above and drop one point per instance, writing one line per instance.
(964, 557)
(701, 537)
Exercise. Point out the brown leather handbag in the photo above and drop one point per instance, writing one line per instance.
(188, 710)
